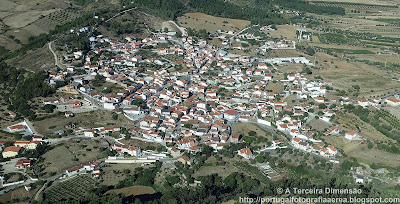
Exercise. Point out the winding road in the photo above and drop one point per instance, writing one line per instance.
(54, 55)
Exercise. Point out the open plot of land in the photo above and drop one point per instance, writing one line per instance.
(93, 119)
(289, 67)
(345, 74)
(140, 143)
(362, 153)
(19, 194)
(70, 154)
(113, 173)
(350, 121)
(210, 23)
(245, 128)
(39, 59)
(20, 17)
(287, 31)
(223, 171)
(319, 125)
(275, 88)
(24, 19)
(379, 58)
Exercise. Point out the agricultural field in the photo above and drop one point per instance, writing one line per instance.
(210, 23)
(69, 189)
(18, 18)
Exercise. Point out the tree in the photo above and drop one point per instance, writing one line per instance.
(99, 80)
(115, 116)
(370, 145)
(322, 106)
(252, 133)
(260, 159)
(49, 108)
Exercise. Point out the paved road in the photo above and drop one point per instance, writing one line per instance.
(389, 95)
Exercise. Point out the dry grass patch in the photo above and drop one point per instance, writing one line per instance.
(100, 118)
(210, 23)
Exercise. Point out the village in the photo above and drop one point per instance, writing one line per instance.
(190, 102)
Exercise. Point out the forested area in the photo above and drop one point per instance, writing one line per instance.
(20, 87)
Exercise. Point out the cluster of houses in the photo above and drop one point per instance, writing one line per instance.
(195, 99)
(17, 146)
(279, 44)
(92, 167)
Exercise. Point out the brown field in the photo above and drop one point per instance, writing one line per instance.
(351, 73)
(349, 121)
(113, 173)
(39, 59)
(26, 18)
(287, 31)
(60, 158)
(133, 190)
(289, 67)
(21, 15)
(210, 23)
(362, 153)
(319, 125)
(33, 17)
(94, 119)
(140, 143)
(19, 194)
(282, 53)
(223, 171)
(245, 128)
(276, 88)
(379, 58)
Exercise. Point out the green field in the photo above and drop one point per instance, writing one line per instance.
(71, 189)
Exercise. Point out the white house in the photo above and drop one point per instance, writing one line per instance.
(245, 153)
(231, 115)
(350, 135)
